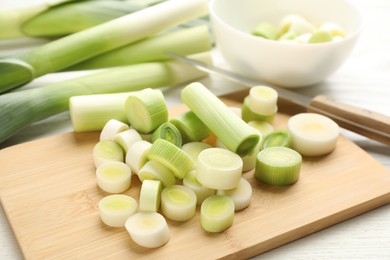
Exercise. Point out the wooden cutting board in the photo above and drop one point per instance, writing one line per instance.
(49, 194)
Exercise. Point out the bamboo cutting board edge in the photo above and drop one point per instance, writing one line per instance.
(238, 251)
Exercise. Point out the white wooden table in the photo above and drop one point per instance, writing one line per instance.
(364, 80)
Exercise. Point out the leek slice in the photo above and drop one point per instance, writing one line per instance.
(219, 169)
(113, 177)
(249, 115)
(111, 128)
(191, 128)
(278, 165)
(200, 190)
(148, 229)
(136, 155)
(229, 128)
(77, 47)
(171, 157)
(115, 209)
(263, 127)
(313, 134)
(153, 170)
(169, 132)
(178, 202)
(217, 213)
(241, 195)
(277, 138)
(263, 100)
(146, 110)
(150, 196)
(105, 151)
(127, 138)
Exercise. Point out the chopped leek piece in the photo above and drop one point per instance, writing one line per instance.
(169, 132)
(136, 155)
(172, 157)
(111, 128)
(313, 134)
(115, 209)
(80, 46)
(193, 149)
(248, 115)
(265, 30)
(191, 128)
(150, 196)
(263, 100)
(320, 37)
(148, 229)
(278, 165)
(89, 111)
(146, 110)
(105, 151)
(219, 169)
(277, 138)
(178, 202)
(201, 191)
(113, 177)
(127, 138)
(217, 213)
(241, 195)
(153, 170)
(229, 128)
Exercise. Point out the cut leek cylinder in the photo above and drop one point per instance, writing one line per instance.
(265, 30)
(127, 138)
(115, 209)
(201, 191)
(169, 132)
(150, 196)
(178, 202)
(193, 149)
(263, 127)
(191, 128)
(80, 46)
(148, 229)
(219, 169)
(105, 151)
(321, 36)
(295, 23)
(113, 177)
(313, 134)
(278, 165)
(111, 128)
(136, 155)
(248, 115)
(90, 110)
(171, 157)
(241, 195)
(263, 100)
(229, 128)
(153, 170)
(277, 138)
(217, 213)
(183, 42)
(146, 110)
(333, 28)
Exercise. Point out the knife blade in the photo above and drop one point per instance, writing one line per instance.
(362, 121)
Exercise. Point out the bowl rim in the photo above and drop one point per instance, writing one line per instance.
(351, 36)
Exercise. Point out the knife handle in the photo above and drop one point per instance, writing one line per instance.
(367, 123)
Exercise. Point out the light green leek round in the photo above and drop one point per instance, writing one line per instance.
(217, 213)
(169, 132)
(278, 165)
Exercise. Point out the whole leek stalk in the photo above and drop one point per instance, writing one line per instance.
(183, 41)
(21, 108)
(64, 52)
(73, 17)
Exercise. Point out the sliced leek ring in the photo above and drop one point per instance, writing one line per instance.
(115, 209)
(113, 177)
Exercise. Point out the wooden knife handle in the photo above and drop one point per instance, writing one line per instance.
(370, 124)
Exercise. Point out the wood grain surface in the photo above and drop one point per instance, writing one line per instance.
(49, 194)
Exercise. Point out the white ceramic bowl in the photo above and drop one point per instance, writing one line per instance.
(277, 62)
